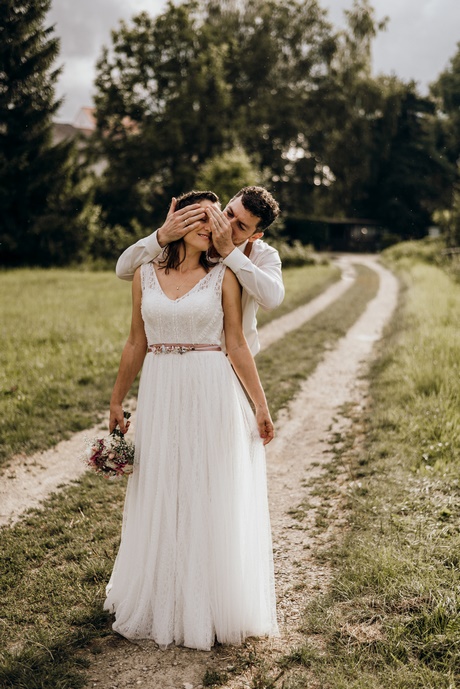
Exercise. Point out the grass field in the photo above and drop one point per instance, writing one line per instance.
(57, 561)
(62, 335)
(392, 617)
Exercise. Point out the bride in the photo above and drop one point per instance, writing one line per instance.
(195, 561)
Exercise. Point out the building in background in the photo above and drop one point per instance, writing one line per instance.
(84, 125)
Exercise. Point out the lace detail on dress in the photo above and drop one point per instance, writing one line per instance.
(149, 280)
(196, 317)
(200, 285)
(148, 276)
(220, 272)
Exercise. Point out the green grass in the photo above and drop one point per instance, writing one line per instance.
(392, 617)
(56, 561)
(62, 334)
(54, 567)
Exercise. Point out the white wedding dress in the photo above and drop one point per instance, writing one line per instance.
(195, 561)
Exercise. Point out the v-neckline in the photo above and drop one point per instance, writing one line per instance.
(186, 293)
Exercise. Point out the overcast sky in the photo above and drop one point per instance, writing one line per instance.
(421, 37)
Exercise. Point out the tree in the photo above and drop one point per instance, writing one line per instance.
(162, 109)
(199, 80)
(352, 101)
(409, 176)
(273, 79)
(379, 160)
(277, 55)
(448, 220)
(227, 173)
(446, 93)
(34, 174)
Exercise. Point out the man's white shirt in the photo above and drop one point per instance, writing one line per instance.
(259, 276)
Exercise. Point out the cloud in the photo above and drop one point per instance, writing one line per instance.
(420, 39)
(83, 29)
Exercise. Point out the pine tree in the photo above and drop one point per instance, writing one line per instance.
(33, 172)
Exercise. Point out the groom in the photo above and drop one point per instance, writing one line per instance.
(236, 237)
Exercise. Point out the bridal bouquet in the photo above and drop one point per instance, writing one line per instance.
(113, 456)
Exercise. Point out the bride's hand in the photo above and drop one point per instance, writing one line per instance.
(265, 425)
(117, 418)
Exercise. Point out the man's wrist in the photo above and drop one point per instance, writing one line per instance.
(160, 241)
(227, 251)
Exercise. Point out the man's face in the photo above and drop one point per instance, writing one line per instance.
(244, 223)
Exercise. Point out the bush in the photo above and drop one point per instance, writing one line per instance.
(431, 250)
(228, 172)
(106, 243)
(428, 250)
(296, 253)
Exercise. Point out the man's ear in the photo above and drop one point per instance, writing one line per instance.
(256, 235)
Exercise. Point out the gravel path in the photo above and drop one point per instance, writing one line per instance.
(27, 481)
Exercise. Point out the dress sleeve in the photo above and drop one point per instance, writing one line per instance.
(143, 251)
(260, 277)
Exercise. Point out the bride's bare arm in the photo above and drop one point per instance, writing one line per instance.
(240, 354)
(131, 359)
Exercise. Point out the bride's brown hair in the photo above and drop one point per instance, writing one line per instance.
(171, 254)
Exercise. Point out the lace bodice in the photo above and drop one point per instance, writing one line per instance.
(194, 318)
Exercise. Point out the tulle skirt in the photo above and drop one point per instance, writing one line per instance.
(195, 561)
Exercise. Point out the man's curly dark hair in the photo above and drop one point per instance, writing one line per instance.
(259, 202)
